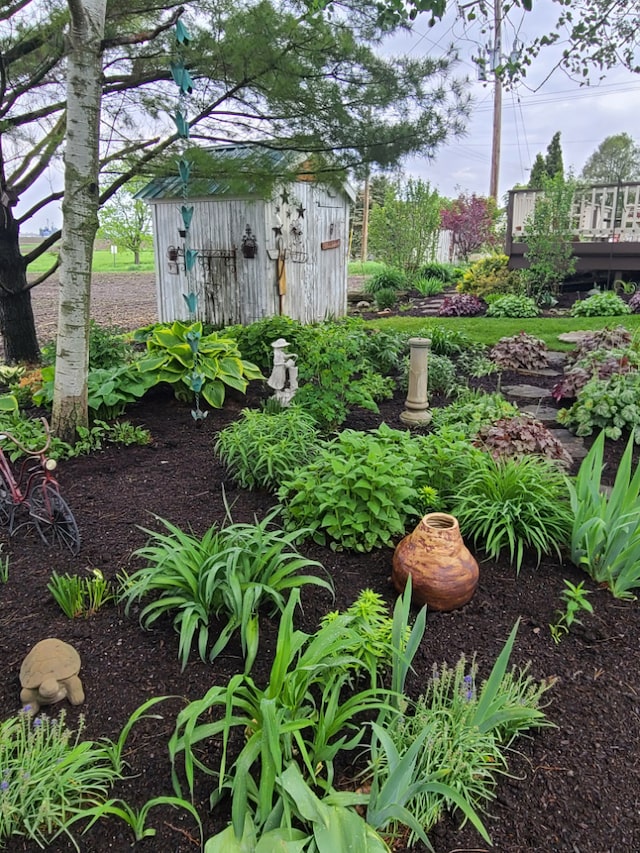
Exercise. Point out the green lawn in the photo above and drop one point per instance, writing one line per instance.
(103, 261)
(489, 331)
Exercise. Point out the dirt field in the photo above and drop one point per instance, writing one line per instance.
(117, 299)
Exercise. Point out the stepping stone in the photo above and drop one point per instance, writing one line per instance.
(572, 337)
(556, 359)
(543, 371)
(572, 443)
(545, 414)
(527, 392)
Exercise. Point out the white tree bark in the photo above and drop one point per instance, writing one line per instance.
(80, 214)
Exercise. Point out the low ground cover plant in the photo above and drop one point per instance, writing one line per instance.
(574, 598)
(227, 574)
(520, 352)
(512, 305)
(461, 305)
(261, 449)
(609, 404)
(471, 411)
(509, 506)
(519, 437)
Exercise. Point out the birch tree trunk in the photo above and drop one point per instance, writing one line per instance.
(80, 215)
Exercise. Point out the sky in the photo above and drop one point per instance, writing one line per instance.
(532, 112)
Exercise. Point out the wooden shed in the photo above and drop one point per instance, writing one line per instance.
(250, 256)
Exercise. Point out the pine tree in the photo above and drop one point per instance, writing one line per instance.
(538, 173)
(553, 161)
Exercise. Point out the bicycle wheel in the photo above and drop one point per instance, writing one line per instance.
(7, 506)
(52, 517)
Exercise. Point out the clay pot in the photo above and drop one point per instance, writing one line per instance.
(444, 574)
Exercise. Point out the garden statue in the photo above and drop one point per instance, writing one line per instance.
(49, 673)
(284, 376)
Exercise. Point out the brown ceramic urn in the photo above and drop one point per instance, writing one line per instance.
(444, 574)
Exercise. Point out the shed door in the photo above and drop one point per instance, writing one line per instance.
(220, 286)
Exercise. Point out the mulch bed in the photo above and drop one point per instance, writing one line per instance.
(574, 788)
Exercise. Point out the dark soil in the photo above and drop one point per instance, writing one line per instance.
(574, 788)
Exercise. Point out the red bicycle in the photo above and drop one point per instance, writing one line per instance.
(36, 490)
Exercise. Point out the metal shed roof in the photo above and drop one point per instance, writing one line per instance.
(265, 160)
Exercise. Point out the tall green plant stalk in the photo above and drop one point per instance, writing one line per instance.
(605, 538)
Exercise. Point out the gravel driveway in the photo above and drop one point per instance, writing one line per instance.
(117, 299)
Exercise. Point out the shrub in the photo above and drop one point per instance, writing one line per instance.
(513, 306)
(359, 492)
(470, 411)
(461, 305)
(520, 352)
(490, 275)
(521, 436)
(333, 372)
(611, 405)
(515, 506)
(385, 298)
(260, 450)
(227, 574)
(388, 278)
(383, 350)
(254, 341)
(606, 304)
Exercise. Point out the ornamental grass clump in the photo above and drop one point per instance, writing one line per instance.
(260, 449)
(515, 507)
(359, 492)
(49, 776)
(228, 574)
(464, 730)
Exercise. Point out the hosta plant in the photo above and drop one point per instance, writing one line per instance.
(605, 304)
(605, 539)
(260, 450)
(461, 305)
(513, 306)
(520, 352)
(195, 363)
(227, 574)
(360, 490)
(612, 405)
(519, 437)
(512, 507)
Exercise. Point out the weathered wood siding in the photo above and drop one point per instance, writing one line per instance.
(313, 233)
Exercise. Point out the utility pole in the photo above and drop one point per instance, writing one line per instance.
(496, 60)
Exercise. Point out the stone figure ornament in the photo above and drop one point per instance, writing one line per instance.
(49, 673)
(284, 375)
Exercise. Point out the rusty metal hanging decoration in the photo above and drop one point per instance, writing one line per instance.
(249, 246)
